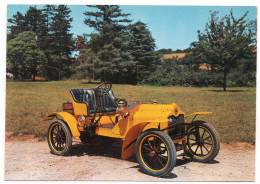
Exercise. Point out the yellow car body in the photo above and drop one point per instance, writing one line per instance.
(152, 132)
(130, 125)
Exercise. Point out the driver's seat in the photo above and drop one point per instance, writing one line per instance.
(105, 101)
(97, 99)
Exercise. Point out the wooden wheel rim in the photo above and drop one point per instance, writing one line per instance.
(57, 137)
(200, 141)
(154, 152)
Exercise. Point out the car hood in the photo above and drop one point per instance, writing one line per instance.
(155, 112)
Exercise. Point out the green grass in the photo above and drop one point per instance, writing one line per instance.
(28, 103)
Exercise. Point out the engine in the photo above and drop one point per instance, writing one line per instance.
(177, 128)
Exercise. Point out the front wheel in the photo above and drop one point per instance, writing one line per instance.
(203, 143)
(155, 153)
(59, 138)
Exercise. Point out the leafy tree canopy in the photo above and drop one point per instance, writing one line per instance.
(24, 58)
(142, 47)
(224, 41)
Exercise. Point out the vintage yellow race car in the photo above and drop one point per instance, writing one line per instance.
(151, 132)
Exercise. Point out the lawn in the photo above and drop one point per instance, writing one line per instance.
(28, 103)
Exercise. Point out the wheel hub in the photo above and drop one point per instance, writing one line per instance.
(152, 153)
(200, 142)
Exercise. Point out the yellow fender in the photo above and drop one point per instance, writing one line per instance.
(69, 119)
(128, 146)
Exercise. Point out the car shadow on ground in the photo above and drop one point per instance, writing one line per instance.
(112, 148)
(98, 147)
(179, 162)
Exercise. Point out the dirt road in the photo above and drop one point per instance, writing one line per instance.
(31, 160)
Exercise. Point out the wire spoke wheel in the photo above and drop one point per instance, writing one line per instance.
(202, 141)
(156, 153)
(59, 138)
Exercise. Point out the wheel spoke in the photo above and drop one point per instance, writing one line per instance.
(58, 128)
(160, 161)
(207, 138)
(157, 145)
(55, 129)
(63, 137)
(162, 156)
(192, 132)
(58, 144)
(147, 148)
(192, 139)
(193, 144)
(149, 143)
(151, 159)
(196, 149)
(203, 133)
(208, 143)
(54, 140)
(206, 148)
(201, 150)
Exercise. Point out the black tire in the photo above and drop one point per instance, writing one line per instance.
(154, 152)
(207, 139)
(61, 143)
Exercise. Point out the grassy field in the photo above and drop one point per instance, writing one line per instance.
(28, 103)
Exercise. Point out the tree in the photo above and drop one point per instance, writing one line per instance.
(80, 43)
(45, 39)
(60, 43)
(35, 22)
(225, 41)
(108, 42)
(51, 25)
(24, 58)
(47, 12)
(84, 65)
(142, 47)
(17, 25)
(107, 20)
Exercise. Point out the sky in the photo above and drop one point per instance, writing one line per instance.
(172, 27)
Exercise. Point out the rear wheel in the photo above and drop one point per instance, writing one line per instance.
(203, 143)
(59, 138)
(155, 153)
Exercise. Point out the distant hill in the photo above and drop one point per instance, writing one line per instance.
(174, 56)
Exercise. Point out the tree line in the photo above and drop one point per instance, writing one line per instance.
(40, 43)
(122, 51)
(228, 45)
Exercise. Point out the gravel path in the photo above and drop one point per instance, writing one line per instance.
(31, 160)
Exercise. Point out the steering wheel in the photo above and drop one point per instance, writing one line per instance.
(106, 86)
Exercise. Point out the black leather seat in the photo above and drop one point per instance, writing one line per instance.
(97, 100)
